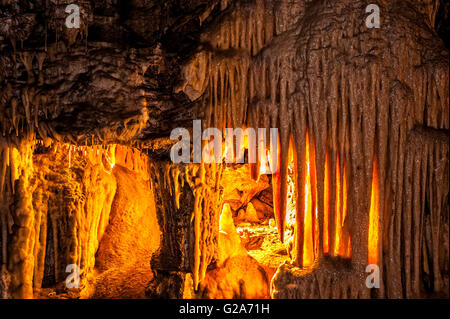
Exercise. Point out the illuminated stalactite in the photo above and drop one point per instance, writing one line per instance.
(18, 242)
(310, 214)
(355, 109)
(63, 189)
(310, 250)
(205, 184)
(326, 206)
(341, 239)
(374, 216)
(78, 202)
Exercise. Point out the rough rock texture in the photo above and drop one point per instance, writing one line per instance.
(18, 221)
(330, 280)
(358, 93)
(104, 81)
(263, 210)
(239, 277)
(235, 273)
(56, 207)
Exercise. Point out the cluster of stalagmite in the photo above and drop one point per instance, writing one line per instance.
(358, 93)
(42, 213)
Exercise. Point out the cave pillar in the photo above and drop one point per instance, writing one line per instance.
(187, 199)
(17, 222)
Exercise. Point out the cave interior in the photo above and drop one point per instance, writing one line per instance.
(93, 205)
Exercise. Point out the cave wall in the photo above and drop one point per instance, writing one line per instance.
(109, 81)
(78, 201)
(17, 218)
(360, 94)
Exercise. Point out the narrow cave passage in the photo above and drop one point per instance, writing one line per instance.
(126, 248)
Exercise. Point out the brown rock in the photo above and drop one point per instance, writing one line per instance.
(263, 210)
(253, 242)
(240, 216)
(239, 187)
(251, 215)
(266, 196)
(238, 277)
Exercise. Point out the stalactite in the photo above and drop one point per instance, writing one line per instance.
(374, 225)
(14, 116)
(27, 60)
(82, 195)
(204, 181)
(425, 148)
(355, 101)
(26, 104)
(40, 59)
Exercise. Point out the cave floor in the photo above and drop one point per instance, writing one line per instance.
(263, 244)
(115, 283)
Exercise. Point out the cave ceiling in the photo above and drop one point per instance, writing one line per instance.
(116, 71)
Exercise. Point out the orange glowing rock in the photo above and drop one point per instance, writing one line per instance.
(308, 249)
(276, 187)
(326, 206)
(374, 217)
(310, 228)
